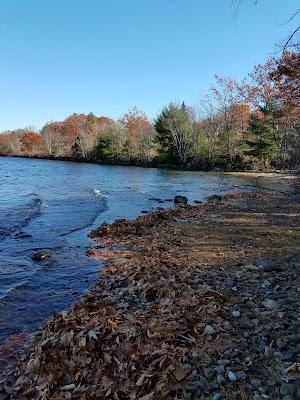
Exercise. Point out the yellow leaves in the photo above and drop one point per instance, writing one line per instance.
(112, 325)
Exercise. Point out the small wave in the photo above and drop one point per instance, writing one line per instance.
(14, 218)
(98, 193)
(13, 289)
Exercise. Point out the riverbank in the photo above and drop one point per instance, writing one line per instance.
(155, 164)
(197, 302)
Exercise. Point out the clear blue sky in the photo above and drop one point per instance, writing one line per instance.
(65, 56)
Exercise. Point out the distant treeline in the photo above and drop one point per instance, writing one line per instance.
(253, 124)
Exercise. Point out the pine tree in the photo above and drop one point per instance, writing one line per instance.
(174, 127)
(260, 146)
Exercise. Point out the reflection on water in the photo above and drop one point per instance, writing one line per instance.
(53, 205)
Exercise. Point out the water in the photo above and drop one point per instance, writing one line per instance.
(54, 205)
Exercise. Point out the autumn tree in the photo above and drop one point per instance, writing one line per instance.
(52, 138)
(139, 135)
(5, 144)
(32, 143)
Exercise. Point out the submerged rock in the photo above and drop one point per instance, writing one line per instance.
(180, 199)
(41, 255)
(22, 235)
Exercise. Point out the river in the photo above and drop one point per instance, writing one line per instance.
(54, 205)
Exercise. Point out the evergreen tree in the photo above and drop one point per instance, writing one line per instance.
(174, 127)
(260, 147)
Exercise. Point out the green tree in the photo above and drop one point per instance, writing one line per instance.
(260, 146)
(110, 144)
(175, 127)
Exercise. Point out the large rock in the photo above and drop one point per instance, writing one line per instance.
(41, 255)
(180, 200)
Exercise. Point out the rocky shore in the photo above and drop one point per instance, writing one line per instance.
(196, 302)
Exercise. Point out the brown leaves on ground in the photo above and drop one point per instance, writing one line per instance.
(141, 333)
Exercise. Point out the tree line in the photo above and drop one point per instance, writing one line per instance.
(251, 124)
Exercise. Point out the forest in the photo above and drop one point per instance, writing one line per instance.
(251, 124)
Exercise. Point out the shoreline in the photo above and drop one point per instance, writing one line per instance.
(170, 311)
(216, 170)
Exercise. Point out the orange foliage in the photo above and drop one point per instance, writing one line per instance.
(31, 141)
(135, 122)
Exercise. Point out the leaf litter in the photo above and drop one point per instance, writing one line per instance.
(160, 323)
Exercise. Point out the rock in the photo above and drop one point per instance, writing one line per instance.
(202, 382)
(220, 369)
(23, 235)
(220, 379)
(268, 265)
(271, 382)
(288, 389)
(231, 376)
(215, 197)
(255, 382)
(241, 375)
(118, 261)
(293, 338)
(224, 362)
(41, 255)
(270, 304)
(269, 352)
(287, 356)
(209, 330)
(197, 201)
(236, 314)
(217, 396)
(235, 353)
(144, 212)
(180, 200)
(288, 397)
(248, 361)
(209, 373)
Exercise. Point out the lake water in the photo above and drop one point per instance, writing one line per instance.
(54, 205)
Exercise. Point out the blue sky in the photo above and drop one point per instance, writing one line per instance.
(65, 56)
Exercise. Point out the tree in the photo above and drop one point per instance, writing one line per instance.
(260, 145)
(139, 135)
(52, 137)
(110, 144)
(175, 128)
(32, 143)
